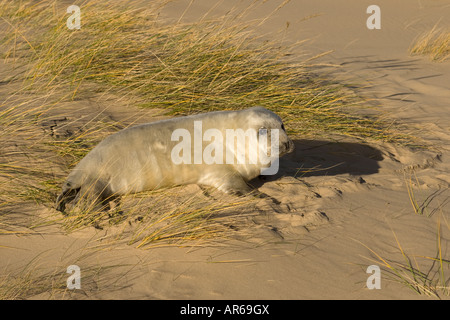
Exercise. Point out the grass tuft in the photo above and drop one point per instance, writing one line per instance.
(128, 51)
(183, 68)
(435, 44)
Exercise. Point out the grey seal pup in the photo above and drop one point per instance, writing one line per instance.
(192, 149)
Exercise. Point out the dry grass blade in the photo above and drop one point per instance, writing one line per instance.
(127, 50)
(193, 222)
(433, 281)
(186, 68)
(435, 44)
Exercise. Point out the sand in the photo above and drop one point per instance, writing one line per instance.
(334, 222)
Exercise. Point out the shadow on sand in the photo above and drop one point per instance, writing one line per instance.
(326, 158)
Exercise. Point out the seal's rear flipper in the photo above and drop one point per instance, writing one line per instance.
(68, 194)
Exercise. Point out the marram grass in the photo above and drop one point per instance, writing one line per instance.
(183, 68)
(435, 44)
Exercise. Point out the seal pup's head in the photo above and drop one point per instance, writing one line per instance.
(261, 118)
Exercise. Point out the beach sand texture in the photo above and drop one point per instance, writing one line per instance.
(345, 203)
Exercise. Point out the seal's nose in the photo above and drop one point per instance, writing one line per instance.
(290, 146)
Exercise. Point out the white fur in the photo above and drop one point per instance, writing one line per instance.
(139, 158)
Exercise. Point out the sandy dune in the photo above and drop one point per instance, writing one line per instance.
(343, 201)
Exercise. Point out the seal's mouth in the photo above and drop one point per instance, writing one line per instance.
(289, 146)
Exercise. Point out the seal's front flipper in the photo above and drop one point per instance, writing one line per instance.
(236, 185)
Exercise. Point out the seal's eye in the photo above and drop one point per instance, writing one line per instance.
(262, 131)
(282, 127)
